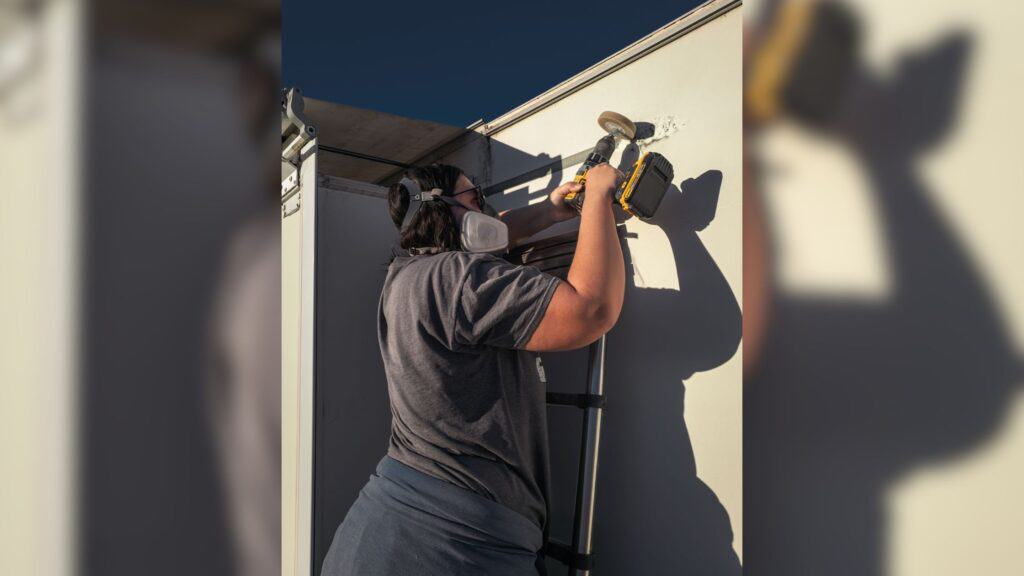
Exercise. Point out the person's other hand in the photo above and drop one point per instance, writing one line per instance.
(560, 209)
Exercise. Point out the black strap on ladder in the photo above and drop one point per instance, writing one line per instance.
(563, 553)
(582, 401)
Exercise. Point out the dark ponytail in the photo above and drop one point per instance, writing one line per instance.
(433, 224)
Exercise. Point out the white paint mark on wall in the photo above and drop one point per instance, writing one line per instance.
(664, 126)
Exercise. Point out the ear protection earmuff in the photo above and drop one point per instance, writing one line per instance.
(479, 232)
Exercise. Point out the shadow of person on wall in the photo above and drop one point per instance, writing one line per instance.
(652, 510)
(852, 396)
(516, 192)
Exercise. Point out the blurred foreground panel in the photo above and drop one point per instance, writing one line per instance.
(884, 428)
(136, 139)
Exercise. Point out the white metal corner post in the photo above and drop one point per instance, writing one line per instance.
(298, 311)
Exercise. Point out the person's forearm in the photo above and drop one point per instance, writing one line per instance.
(526, 221)
(597, 272)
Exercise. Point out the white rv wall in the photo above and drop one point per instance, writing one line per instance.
(664, 467)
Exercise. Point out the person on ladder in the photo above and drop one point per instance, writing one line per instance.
(463, 487)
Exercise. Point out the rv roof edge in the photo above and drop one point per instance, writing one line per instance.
(679, 27)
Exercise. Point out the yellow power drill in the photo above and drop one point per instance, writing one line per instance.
(643, 188)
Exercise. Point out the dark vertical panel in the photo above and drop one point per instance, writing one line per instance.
(353, 420)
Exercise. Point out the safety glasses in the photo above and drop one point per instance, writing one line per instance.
(475, 190)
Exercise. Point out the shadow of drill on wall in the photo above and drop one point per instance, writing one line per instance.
(852, 396)
(651, 506)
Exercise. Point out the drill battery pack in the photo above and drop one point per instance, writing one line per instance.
(641, 192)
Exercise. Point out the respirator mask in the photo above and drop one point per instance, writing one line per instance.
(479, 232)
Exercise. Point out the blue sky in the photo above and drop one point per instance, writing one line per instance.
(453, 62)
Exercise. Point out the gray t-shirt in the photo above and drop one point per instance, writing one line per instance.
(467, 403)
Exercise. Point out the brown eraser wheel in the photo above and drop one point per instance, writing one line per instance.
(613, 121)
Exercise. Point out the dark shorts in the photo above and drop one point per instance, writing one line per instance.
(407, 523)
